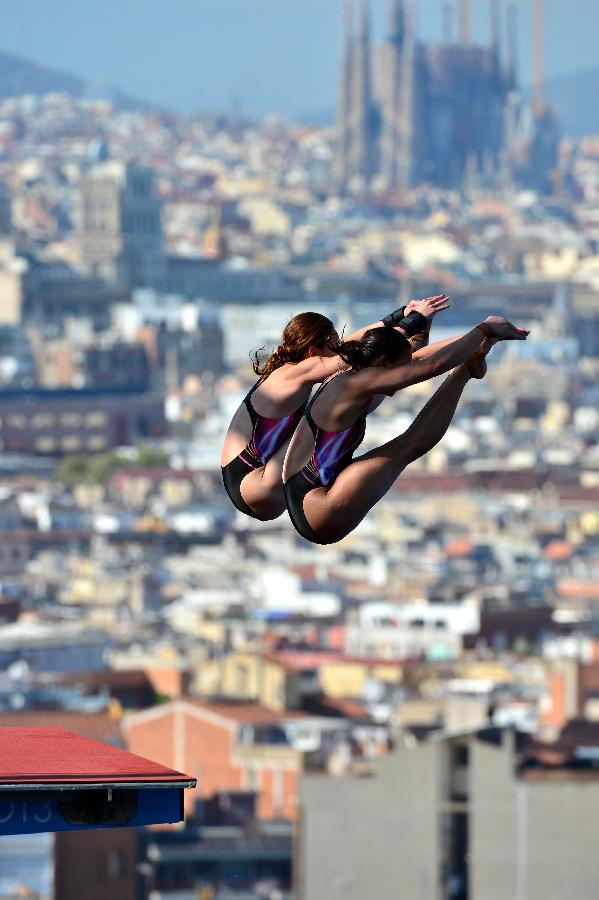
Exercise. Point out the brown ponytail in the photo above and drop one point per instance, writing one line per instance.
(304, 332)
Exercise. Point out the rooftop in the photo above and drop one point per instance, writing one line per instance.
(54, 757)
(244, 713)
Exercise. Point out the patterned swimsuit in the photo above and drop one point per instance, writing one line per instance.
(267, 436)
(333, 451)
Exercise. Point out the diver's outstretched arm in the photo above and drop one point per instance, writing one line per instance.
(333, 512)
(425, 352)
(375, 380)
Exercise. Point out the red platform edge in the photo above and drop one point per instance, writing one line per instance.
(41, 756)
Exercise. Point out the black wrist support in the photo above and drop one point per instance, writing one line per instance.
(414, 323)
(394, 318)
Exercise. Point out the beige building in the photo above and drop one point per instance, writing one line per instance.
(282, 680)
(249, 676)
(11, 283)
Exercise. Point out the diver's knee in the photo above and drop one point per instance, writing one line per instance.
(267, 510)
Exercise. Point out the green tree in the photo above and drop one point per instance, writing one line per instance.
(151, 458)
(73, 470)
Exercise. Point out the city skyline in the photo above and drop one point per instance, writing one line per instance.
(197, 60)
(445, 653)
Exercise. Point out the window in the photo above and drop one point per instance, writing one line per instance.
(241, 679)
(43, 420)
(252, 778)
(45, 445)
(71, 442)
(460, 754)
(96, 442)
(278, 792)
(96, 419)
(16, 421)
(71, 419)
(116, 864)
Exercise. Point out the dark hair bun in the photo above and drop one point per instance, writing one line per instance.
(374, 344)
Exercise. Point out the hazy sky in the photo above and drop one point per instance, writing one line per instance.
(270, 54)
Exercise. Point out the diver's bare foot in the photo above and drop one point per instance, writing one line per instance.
(476, 365)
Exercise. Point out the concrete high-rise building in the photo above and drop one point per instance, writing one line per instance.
(410, 112)
(120, 230)
(484, 814)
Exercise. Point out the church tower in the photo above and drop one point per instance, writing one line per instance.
(398, 103)
(391, 98)
(343, 136)
(355, 157)
(361, 151)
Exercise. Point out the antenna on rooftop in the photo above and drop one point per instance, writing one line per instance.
(494, 12)
(448, 21)
(407, 97)
(465, 21)
(347, 13)
(512, 43)
(538, 101)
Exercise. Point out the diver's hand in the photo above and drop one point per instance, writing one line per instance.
(428, 306)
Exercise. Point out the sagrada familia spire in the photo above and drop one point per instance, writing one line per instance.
(411, 112)
(355, 136)
(397, 100)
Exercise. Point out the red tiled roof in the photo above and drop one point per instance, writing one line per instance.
(434, 484)
(573, 588)
(296, 660)
(459, 547)
(33, 756)
(578, 733)
(578, 493)
(307, 659)
(376, 660)
(244, 713)
(565, 754)
(336, 636)
(97, 726)
(341, 706)
(558, 550)
(113, 678)
(303, 570)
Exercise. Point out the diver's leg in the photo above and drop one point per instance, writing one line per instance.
(333, 513)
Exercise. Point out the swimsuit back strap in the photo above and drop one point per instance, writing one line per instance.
(308, 411)
(248, 403)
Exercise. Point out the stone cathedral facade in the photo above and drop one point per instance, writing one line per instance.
(410, 112)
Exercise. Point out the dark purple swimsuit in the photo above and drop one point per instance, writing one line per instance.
(267, 436)
(333, 451)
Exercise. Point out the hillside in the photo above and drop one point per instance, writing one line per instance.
(573, 95)
(20, 76)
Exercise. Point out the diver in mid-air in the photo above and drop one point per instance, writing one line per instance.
(257, 438)
(327, 492)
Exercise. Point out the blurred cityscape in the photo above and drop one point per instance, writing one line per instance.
(413, 712)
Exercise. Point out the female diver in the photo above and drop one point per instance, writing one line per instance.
(327, 492)
(257, 438)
